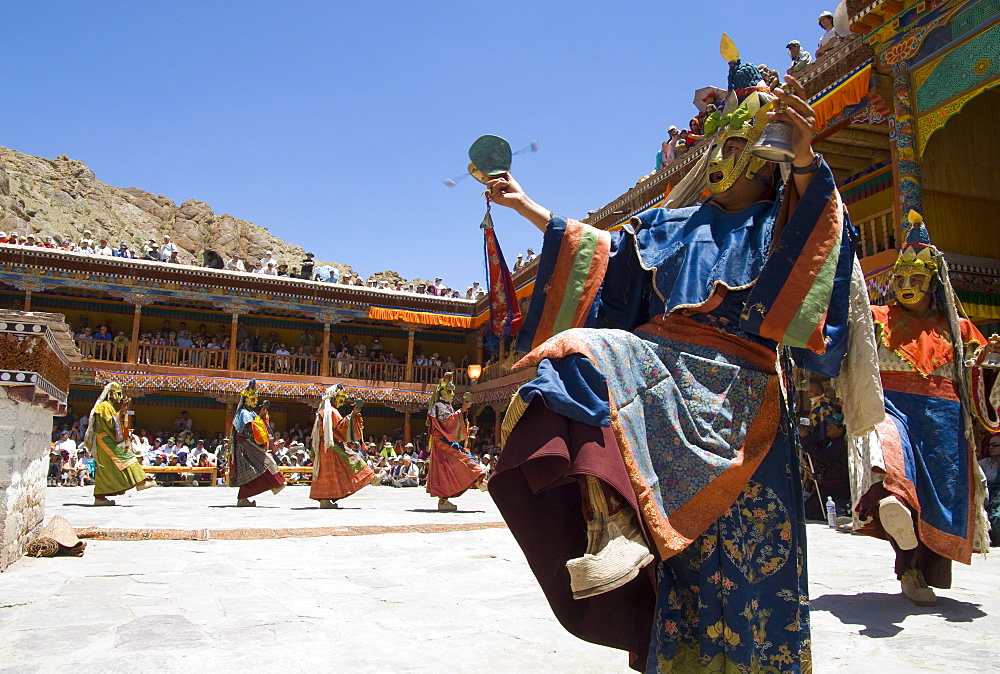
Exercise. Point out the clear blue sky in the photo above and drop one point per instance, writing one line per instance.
(335, 124)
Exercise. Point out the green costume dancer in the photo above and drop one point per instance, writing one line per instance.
(108, 435)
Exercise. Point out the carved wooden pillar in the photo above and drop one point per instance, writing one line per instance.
(325, 364)
(234, 328)
(138, 300)
(903, 144)
(133, 346)
(407, 432)
(27, 301)
(409, 357)
(329, 318)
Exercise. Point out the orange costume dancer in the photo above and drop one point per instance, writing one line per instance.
(452, 469)
(338, 470)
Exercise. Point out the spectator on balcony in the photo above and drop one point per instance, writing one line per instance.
(376, 346)
(282, 270)
(282, 362)
(531, 256)
(152, 252)
(121, 343)
(830, 37)
(257, 269)
(104, 249)
(122, 251)
(168, 249)
(519, 262)
(102, 345)
(307, 339)
(800, 57)
(235, 263)
(308, 265)
(184, 339)
(268, 257)
(213, 260)
(694, 134)
(360, 348)
(269, 270)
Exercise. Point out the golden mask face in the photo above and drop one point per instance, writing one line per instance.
(725, 164)
(116, 395)
(250, 399)
(910, 284)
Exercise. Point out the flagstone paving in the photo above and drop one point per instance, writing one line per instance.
(388, 584)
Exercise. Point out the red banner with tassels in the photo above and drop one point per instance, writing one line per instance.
(505, 314)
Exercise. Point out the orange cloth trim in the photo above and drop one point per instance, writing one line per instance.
(565, 261)
(912, 382)
(818, 247)
(525, 290)
(421, 317)
(947, 545)
(672, 534)
(559, 346)
(924, 343)
(849, 93)
(684, 329)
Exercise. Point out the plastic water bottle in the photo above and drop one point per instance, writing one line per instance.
(831, 512)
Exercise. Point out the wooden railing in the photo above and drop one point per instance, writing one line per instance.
(268, 363)
(877, 233)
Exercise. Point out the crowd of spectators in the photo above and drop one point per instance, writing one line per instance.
(257, 351)
(169, 252)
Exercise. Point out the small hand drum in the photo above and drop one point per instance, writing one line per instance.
(490, 157)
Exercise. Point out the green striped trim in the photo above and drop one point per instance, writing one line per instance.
(816, 302)
(583, 258)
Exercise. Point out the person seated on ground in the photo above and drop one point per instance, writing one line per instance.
(55, 467)
(85, 466)
(408, 474)
(383, 471)
(829, 461)
(991, 469)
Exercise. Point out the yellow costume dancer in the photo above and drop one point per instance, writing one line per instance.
(118, 469)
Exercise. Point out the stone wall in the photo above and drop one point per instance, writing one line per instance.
(35, 351)
(24, 457)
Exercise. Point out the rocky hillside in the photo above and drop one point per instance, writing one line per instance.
(61, 198)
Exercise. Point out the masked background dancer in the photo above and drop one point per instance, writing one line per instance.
(108, 438)
(452, 470)
(918, 484)
(251, 466)
(338, 469)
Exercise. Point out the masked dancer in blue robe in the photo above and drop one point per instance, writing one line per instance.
(658, 425)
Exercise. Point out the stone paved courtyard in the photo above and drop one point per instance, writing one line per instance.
(396, 586)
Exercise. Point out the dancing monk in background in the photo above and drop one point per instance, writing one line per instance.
(108, 438)
(918, 484)
(452, 469)
(658, 416)
(338, 469)
(251, 467)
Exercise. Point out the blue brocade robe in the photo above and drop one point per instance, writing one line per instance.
(679, 390)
